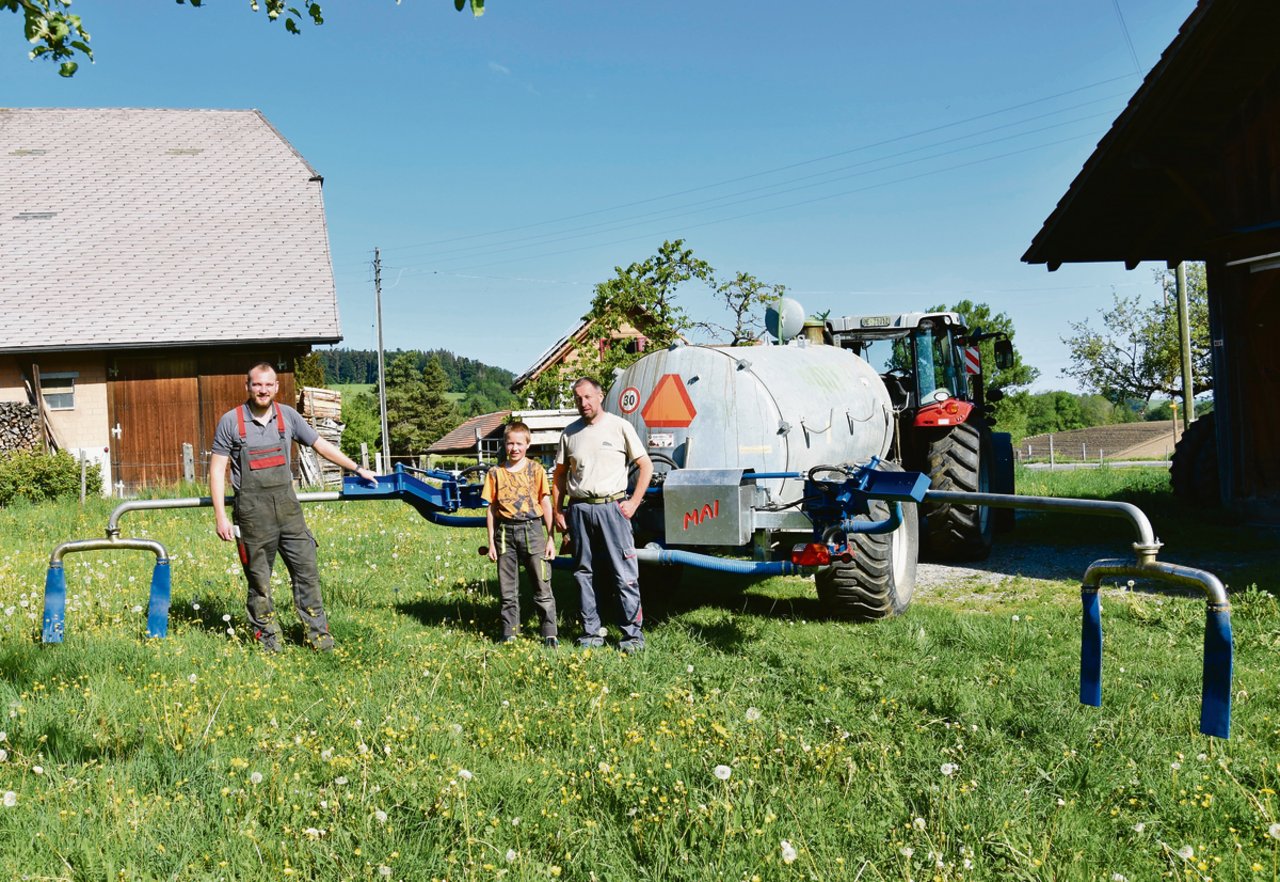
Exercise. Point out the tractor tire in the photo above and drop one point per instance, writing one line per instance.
(1193, 471)
(959, 460)
(881, 579)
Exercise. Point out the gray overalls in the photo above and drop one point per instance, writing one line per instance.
(270, 519)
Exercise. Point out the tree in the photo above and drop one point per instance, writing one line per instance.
(58, 35)
(308, 370)
(978, 317)
(1138, 352)
(745, 297)
(419, 411)
(361, 424)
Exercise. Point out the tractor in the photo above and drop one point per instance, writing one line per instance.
(930, 363)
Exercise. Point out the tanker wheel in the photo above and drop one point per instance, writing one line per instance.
(881, 578)
(959, 461)
(1193, 471)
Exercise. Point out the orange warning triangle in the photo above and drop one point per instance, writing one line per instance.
(669, 406)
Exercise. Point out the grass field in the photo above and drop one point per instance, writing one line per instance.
(752, 740)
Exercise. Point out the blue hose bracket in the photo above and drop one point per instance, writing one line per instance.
(1091, 648)
(55, 603)
(1215, 701)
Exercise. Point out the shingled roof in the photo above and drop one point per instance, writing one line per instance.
(127, 228)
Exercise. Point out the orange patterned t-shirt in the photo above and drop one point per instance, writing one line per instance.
(516, 496)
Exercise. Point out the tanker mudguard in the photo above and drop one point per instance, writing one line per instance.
(707, 507)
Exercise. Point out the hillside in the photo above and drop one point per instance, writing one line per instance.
(1145, 440)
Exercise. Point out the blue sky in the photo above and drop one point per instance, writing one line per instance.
(869, 156)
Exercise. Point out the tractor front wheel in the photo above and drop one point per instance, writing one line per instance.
(959, 460)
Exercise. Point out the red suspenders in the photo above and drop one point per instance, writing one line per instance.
(264, 457)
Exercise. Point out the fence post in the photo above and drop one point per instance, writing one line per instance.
(364, 454)
(1051, 460)
(188, 463)
(84, 473)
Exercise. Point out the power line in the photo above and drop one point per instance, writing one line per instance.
(775, 170)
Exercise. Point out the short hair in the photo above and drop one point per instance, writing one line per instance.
(516, 426)
(260, 366)
(587, 381)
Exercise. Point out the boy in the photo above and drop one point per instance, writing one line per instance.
(519, 525)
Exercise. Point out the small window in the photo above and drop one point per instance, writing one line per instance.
(59, 390)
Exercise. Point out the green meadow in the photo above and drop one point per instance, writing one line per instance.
(752, 740)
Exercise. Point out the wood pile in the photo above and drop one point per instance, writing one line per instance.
(322, 408)
(19, 426)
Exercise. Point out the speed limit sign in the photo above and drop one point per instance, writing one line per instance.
(629, 400)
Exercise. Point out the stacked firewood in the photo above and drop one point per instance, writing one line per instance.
(322, 408)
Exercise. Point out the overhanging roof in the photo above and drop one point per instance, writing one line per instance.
(1156, 186)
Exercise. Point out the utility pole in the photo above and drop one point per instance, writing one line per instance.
(1184, 326)
(382, 371)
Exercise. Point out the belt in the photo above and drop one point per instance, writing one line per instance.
(598, 500)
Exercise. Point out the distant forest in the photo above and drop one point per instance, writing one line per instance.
(484, 388)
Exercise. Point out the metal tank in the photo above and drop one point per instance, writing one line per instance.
(768, 408)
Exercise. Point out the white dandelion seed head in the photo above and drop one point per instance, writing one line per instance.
(195, 606)
(949, 769)
(341, 780)
(255, 778)
(10, 799)
(604, 768)
(384, 870)
(1119, 877)
(918, 823)
(39, 770)
(191, 678)
(1139, 827)
(4, 754)
(380, 816)
(688, 669)
(511, 855)
(753, 714)
(465, 775)
(907, 851)
(226, 617)
(1186, 852)
(1274, 831)
(515, 822)
(1175, 765)
(722, 772)
(788, 852)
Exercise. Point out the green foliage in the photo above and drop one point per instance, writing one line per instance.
(978, 317)
(745, 298)
(361, 425)
(1137, 353)
(37, 477)
(419, 411)
(643, 297)
(308, 370)
(58, 35)
(482, 388)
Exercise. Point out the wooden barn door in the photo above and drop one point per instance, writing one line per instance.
(154, 409)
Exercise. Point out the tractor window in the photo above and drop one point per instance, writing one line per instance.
(938, 365)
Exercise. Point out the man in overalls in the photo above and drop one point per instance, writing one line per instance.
(256, 438)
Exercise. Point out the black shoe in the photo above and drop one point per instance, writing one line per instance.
(631, 645)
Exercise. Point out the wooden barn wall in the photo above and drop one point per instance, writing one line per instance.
(163, 399)
(1245, 315)
(1251, 164)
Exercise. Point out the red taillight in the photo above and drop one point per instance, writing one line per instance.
(814, 554)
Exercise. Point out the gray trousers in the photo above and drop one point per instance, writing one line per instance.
(523, 542)
(271, 522)
(605, 566)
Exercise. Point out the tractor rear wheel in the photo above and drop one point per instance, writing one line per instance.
(959, 461)
(1193, 471)
(881, 578)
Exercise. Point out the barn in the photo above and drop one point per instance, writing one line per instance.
(150, 257)
(1191, 171)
